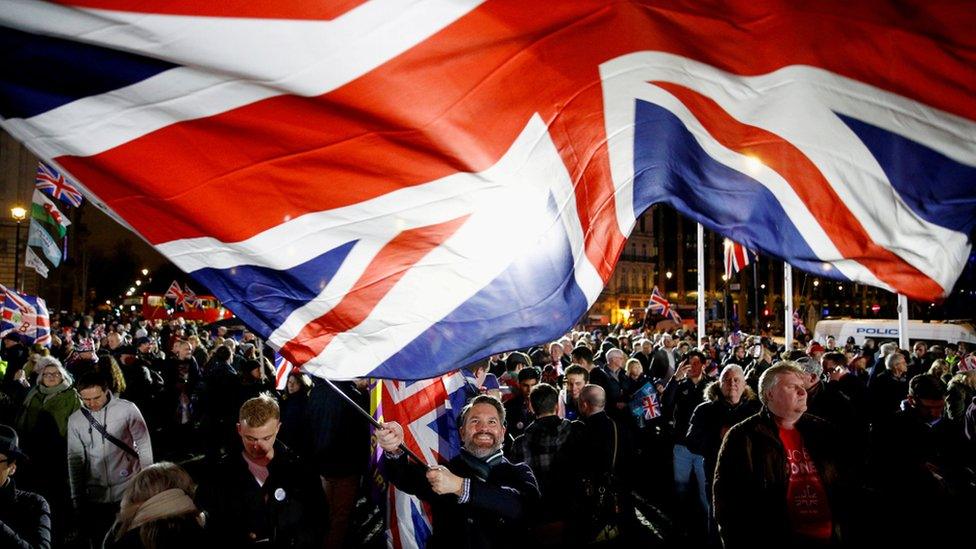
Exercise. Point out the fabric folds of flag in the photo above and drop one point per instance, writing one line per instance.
(25, 316)
(736, 257)
(660, 305)
(427, 410)
(393, 189)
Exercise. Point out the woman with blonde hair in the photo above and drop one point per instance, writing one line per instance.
(158, 512)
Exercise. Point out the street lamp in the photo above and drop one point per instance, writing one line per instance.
(145, 272)
(19, 214)
(669, 274)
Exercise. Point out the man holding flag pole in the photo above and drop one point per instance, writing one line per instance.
(479, 499)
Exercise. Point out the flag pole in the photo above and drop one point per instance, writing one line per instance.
(755, 292)
(788, 304)
(369, 417)
(902, 321)
(701, 283)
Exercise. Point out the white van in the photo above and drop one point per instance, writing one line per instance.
(887, 329)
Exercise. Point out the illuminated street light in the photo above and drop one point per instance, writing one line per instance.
(145, 272)
(816, 283)
(19, 214)
(138, 282)
(669, 274)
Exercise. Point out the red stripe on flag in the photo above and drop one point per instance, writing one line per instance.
(741, 257)
(265, 9)
(840, 225)
(412, 408)
(456, 102)
(386, 269)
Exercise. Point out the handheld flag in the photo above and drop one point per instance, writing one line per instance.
(26, 316)
(427, 410)
(417, 185)
(645, 405)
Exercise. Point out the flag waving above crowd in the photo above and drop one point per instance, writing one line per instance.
(396, 188)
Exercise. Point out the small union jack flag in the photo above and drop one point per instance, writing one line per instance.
(645, 404)
(54, 184)
(177, 293)
(736, 257)
(660, 305)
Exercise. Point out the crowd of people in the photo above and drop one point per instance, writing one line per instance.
(135, 433)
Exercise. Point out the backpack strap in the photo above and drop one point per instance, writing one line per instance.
(105, 434)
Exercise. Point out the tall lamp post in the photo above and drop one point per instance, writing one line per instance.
(19, 214)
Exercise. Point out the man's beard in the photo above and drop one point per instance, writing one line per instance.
(481, 452)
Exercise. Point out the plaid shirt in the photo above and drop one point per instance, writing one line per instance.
(541, 442)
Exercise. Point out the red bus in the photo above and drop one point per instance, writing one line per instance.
(157, 306)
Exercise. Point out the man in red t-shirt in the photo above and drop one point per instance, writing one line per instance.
(780, 479)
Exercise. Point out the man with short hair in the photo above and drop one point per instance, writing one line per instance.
(108, 443)
(611, 378)
(643, 353)
(574, 380)
(264, 494)
(683, 393)
(25, 517)
(603, 449)
(908, 464)
(890, 387)
(479, 499)
(663, 361)
(780, 480)
(542, 447)
(823, 401)
(920, 360)
(514, 363)
(519, 409)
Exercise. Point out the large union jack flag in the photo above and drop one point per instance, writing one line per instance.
(395, 188)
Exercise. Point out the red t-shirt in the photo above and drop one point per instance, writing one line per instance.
(806, 497)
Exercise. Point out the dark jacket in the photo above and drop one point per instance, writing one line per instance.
(679, 401)
(496, 515)
(337, 436)
(886, 393)
(752, 476)
(289, 509)
(712, 419)
(25, 519)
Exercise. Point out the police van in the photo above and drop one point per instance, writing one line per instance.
(882, 330)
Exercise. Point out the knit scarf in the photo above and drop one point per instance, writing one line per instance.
(48, 392)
